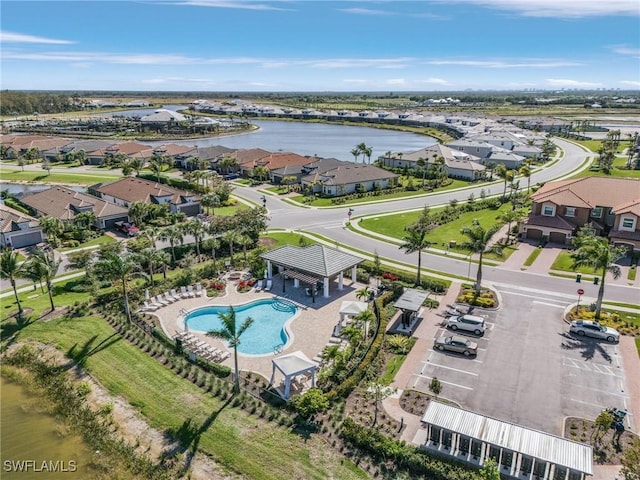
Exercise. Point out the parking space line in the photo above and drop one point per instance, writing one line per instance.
(608, 392)
(454, 369)
(446, 383)
(549, 304)
(590, 367)
(588, 403)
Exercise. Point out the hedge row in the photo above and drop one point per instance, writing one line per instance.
(434, 285)
(401, 456)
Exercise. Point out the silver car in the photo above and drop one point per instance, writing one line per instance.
(593, 329)
(456, 344)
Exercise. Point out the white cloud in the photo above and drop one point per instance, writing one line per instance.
(631, 83)
(504, 64)
(365, 11)
(358, 63)
(156, 81)
(355, 80)
(434, 81)
(128, 59)
(396, 81)
(241, 5)
(560, 8)
(10, 37)
(624, 50)
(567, 83)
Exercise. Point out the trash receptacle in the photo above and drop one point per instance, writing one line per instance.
(595, 280)
(578, 277)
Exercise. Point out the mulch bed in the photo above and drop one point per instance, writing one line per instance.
(608, 450)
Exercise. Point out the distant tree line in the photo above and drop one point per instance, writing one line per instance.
(30, 103)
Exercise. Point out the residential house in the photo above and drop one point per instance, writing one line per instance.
(20, 144)
(128, 190)
(241, 156)
(352, 178)
(18, 230)
(273, 161)
(171, 151)
(456, 163)
(207, 155)
(611, 205)
(129, 149)
(58, 153)
(315, 166)
(162, 116)
(65, 204)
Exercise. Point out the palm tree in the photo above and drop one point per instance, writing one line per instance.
(156, 164)
(244, 240)
(12, 269)
(479, 238)
(172, 234)
(211, 201)
(510, 216)
(47, 266)
(53, 228)
(363, 294)
(213, 244)
(422, 163)
(599, 254)
(231, 237)
(198, 229)
(231, 333)
(117, 267)
(525, 171)
(502, 172)
(356, 153)
(415, 241)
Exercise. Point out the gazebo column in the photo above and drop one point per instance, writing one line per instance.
(296, 283)
(273, 373)
(269, 269)
(340, 280)
(325, 287)
(287, 386)
(313, 378)
(354, 273)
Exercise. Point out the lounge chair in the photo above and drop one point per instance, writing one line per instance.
(268, 285)
(223, 356)
(198, 289)
(168, 297)
(148, 306)
(171, 296)
(161, 300)
(175, 294)
(258, 285)
(191, 291)
(155, 303)
(183, 292)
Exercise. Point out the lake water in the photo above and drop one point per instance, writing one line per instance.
(20, 189)
(28, 435)
(321, 139)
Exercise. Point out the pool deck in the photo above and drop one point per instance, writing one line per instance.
(309, 332)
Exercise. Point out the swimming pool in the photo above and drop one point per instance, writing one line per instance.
(267, 332)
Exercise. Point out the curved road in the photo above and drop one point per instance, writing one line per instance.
(330, 223)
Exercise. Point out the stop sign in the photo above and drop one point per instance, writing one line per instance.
(580, 291)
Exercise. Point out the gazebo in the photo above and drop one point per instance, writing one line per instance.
(311, 265)
(291, 365)
(350, 309)
(410, 304)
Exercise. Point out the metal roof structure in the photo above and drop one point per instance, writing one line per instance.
(315, 259)
(526, 441)
(411, 299)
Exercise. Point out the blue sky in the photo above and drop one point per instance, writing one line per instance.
(264, 45)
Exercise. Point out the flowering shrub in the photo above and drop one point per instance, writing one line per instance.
(216, 285)
(390, 276)
(245, 285)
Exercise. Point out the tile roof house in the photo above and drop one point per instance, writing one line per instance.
(163, 115)
(208, 155)
(65, 204)
(247, 155)
(352, 178)
(19, 144)
(75, 146)
(130, 149)
(611, 205)
(133, 189)
(457, 164)
(487, 153)
(273, 161)
(315, 166)
(18, 230)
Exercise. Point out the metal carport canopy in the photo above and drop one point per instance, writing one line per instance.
(411, 299)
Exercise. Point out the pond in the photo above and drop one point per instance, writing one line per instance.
(33, 441)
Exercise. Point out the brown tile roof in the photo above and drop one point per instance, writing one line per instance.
(590, 192)
(173, 149)
(64, 203)
(549, 222)
(10, 216)
(48, 143)
(134, 189)
(244, 155)
(277, 160)
(630, 207)
(17, 141)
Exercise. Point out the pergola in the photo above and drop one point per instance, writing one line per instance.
(311, 264)
(410, 302)
(291, 365)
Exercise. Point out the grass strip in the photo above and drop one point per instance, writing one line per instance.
(238, 441)
(532, 257)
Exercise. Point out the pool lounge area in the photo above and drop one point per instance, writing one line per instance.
(309, 331)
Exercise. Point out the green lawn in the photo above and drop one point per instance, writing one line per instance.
(619, 170)
(638, 346)
(95, 242)
(393, 225)
(62, 178)
(564, 261)
(532, 257)
(278, 239)
(242, 443)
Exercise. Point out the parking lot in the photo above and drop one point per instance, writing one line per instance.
(529, 369)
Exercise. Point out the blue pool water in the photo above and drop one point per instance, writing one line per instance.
(265, 334)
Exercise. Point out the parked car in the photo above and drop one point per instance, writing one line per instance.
(470, 323)
(589, 328)
(127, 228)
(456, 344)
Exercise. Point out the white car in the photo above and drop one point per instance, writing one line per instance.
(593, 329)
